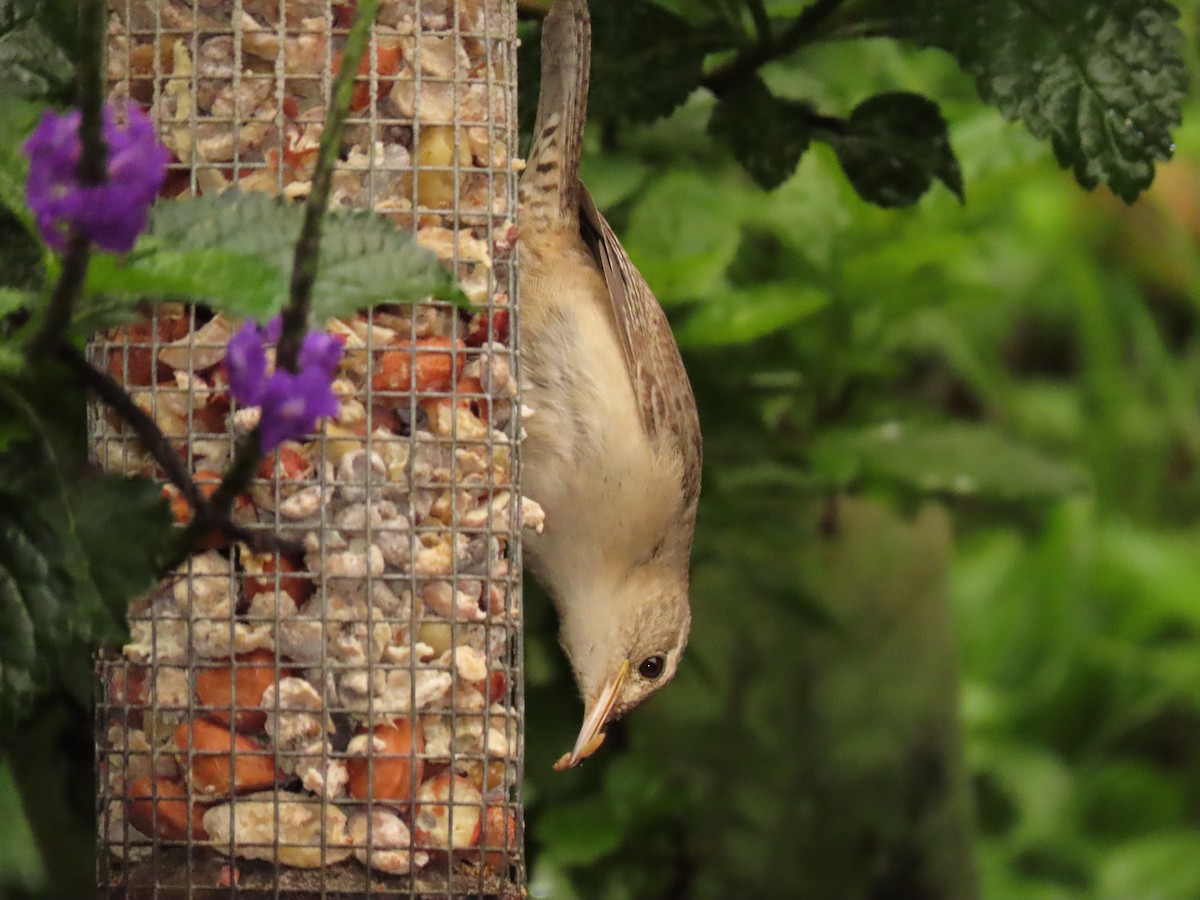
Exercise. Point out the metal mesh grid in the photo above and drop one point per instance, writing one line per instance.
(347, 720)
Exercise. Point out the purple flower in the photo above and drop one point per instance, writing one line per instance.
(291, 402)
(320, 351)
(246, 365)
(111, 215)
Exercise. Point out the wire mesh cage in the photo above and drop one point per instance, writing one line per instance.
(344, 720)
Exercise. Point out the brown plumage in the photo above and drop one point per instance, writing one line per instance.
(612, 449)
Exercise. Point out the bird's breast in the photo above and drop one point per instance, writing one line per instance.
(587, 460)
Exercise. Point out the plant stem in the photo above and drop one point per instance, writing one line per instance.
(216, 511)
(802, 30)
(93, 162)
(304, 265)
(113, 396)
(205, 517)
(92, 169)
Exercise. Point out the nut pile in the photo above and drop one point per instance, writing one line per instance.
(354, 700)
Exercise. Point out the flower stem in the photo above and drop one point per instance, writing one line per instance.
(304, 272)
(93, 162)
(304, 265)
(113, 396)
(205, 516)
(92, 169)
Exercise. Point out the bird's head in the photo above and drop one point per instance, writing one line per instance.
(625, 646)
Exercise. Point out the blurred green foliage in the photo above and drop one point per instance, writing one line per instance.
(1030, 363)
(950, 504)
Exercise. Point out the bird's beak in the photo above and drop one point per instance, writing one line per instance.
(590, 736)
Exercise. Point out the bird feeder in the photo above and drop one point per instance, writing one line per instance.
(343, 719)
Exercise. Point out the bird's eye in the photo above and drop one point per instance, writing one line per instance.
(652, 667)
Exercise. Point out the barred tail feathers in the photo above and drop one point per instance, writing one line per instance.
(550, 183)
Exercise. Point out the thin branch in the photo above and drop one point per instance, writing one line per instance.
(113, 396)
(804, 29)
(204, 517)
(64, 295)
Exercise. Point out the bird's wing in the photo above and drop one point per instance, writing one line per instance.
(666, 405)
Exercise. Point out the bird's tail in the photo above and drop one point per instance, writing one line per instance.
(550, 184)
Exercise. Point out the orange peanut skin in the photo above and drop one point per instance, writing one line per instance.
(223, 761)
(395, 778)
(253, 674)
(431, 364)
(135, 365)
(297, 587)
(172, 820)
(498, 834)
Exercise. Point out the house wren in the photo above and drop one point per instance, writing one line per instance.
(612, 448)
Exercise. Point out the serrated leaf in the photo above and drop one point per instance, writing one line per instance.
(892, 147)
(741, 315)
(30, 615)
(1104, 80)
(767, 134)
(365, 259)
(236, 283)
(957, 459)
(632, 39)
(73, 551)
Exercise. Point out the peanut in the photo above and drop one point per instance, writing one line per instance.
(259, 576)
(223, 761)
(396, 770)
(159, 807)
(241, 687)
(436, 362)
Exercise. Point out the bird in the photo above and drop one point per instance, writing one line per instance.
(612, 449)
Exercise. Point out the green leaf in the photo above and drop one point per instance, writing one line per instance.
(12, 299)
(124, 527)
(1104, 80)
(579, 832)
(1167, 860)
(893, 146)
(12, 360)
(32, 64)
(741, 315)
(682, 235)
(645, 60)
(953, 458)
(21, 864)
(365, 259)
(73, 551)
(246, 286)
(32, 624)
(767, 134)
(17, 119)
